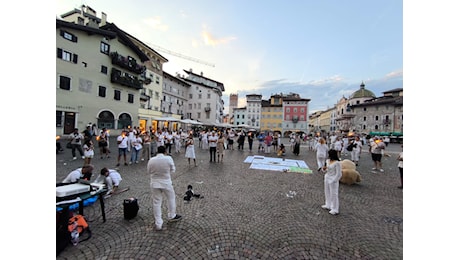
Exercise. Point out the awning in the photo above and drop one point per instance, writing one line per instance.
(165, 119)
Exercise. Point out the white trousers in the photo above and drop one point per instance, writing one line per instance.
(321, 161)
(355, 155)
(158, 194)
(331, 194)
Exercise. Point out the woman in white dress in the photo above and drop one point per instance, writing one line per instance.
(321, 153)
(190, 149)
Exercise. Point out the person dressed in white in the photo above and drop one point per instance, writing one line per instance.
(80, 173)
(332, 138)
(111, 178)
(338, 145)
(160, 169)
(177, 141)
(345, 142)
(204, 140)
(356, 152)
(321, 153)
(190, 149)
(332, 177)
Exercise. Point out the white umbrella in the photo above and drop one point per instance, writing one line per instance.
(243, 125)
(190, 121)
(165, 119)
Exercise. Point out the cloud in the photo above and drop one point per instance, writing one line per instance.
(394, 74)
(209, 39)
(323, 93)
(156, 23)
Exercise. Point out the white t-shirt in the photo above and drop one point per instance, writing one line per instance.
(123, 140)
(115, 176)
(73, 176)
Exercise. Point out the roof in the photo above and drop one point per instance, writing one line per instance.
(362, 93)
(88, 29)
(123, 36)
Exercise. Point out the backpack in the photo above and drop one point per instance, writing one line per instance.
(350, 146)
(78, 228)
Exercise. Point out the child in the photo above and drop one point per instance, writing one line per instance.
(282, 150)
(189, 194)
(88, 151)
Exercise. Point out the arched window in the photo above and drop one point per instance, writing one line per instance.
(124, 120)
(106, 119)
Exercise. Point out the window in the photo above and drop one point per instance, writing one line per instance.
(105, 48)
(198, 115)
(364, 119)
(376, 118)
(189, 106)
(199, 96)
(104, 69)
(209, 96)
(124, 121)
(69, 36)
(295, 110)
(130, 98)
(288, 110)
(67, 56)
(106, 119)
(116, 94)
(84, 64)
(58, 118)
(190, 96)
(302, 110)
(102, 91)
(157, 79)
(64, 82)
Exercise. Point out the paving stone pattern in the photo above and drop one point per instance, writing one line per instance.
(247, 213)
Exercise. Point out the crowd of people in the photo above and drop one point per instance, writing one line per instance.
(329, 151)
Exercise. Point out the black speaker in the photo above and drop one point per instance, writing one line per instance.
(130, 208)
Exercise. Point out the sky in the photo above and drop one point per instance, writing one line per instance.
(321, 50)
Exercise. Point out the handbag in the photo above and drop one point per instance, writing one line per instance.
(69, 145)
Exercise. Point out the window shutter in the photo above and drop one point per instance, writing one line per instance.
(59, 53)
(75, 58)
(62, 33)
(74, 38)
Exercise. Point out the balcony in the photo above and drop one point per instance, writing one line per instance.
(207, 109)
(144, 96)
(125, 79)
(295, 119)
(127, 63)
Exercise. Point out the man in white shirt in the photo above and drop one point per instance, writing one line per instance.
(212, 140)
(122, 141)
(160, 169)
(81, 173)
(112, 179)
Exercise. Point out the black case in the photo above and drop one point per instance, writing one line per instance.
(130, 208)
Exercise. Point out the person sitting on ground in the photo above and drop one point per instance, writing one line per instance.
(282, 150)
(84, 173)
(112, 179)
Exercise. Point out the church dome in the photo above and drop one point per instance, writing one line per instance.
(362, 93)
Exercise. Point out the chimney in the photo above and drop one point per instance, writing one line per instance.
(201, 73)
(191, 70)
(103, 19)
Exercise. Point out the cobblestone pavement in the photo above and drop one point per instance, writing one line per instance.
(247, 213)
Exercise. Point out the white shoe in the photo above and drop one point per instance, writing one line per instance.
(83, 157)
(325, 207)
(142, 159)
(75, 158)
(333, 212)
(381, 170)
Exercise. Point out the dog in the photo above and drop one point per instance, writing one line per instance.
(189, 194)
